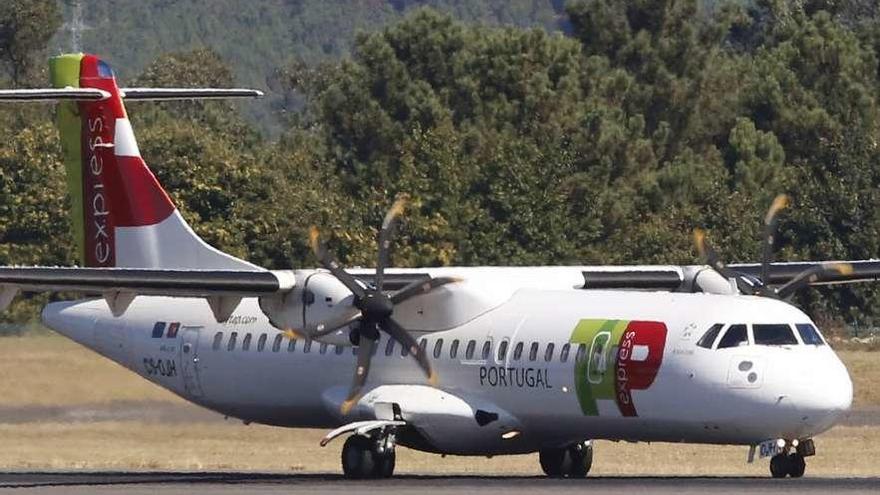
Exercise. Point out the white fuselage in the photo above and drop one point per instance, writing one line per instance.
(656, 389)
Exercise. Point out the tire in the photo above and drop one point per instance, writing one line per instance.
(796, 465)
(779, 466)
(384, 465)
(551, 461)
(358, 460)
(581, 456)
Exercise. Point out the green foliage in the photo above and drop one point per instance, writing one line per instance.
(516, 146)
(25, 28)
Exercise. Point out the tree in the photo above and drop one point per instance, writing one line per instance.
(25, 28)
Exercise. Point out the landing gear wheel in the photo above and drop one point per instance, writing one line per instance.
(779, 466)
(570, 462)
(358, 459)
(796, 465)
(384, 464)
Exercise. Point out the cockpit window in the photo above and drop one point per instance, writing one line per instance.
(776, 334)
(809, 334)
(709, 337)
(735, 336)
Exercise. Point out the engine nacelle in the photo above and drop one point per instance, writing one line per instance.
(317, 297)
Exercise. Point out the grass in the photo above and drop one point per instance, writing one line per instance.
(50, 370)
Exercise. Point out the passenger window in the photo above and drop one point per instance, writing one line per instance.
(548, 354)
(307, 346)
(502, 350)
(533, 351)
(323, 348)
(261, 343)
(438, 348)
(230, 346)
(776, 334)
(291, 346)
(423, 344)
(734, 336)
(581, 353)
(453, 349)
(563, 353)
(469, 352)
(389, 348)
(218, 339)
(339, 350)
(809, 334)
(246, 343)
(404, 350)
(517, 351)
(709, 337)
(276, 344)
(487, 349)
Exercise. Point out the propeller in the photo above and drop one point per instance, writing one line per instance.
(759, 286)
(371, 308)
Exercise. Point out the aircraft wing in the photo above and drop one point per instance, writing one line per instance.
(223, 289)
(683, 278)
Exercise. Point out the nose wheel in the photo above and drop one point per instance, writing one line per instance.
(782, 465)
(367, 457)
(573, 461)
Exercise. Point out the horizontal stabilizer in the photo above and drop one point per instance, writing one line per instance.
(167, 94)
(51, 95)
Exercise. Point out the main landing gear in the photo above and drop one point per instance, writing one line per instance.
(792, 463)
(368, 457)
(573, 461)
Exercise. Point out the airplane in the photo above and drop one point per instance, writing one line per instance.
(475, 361)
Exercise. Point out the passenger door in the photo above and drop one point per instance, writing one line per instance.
(189, 359)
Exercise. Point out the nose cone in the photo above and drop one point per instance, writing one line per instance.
(75, 320)
(826, 393)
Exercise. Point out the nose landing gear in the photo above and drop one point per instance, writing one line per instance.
(573, 461)
(368, 457)
(792, 464)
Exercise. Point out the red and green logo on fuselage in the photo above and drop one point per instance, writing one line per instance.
(621, 356)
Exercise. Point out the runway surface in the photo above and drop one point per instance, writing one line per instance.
(172, 483)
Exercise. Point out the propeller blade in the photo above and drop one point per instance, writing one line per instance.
(328, 261)
(811, 275)
(386, 234)
(771, 220)
(398, 333)
(327, 327)
(420, 287)
(364, 356)
(710, 256)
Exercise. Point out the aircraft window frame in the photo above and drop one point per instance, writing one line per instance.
(423, 345)
(734, 345)
(533, 351)
(389, 347)
(487, 350)
(777, 326)
(276, 342)
(714, 331)
(233, 339)
(246, 342)
(564, 352)
(471, 349)
(218, 341)
(307, 346)
(501, 353)
(518, 350)
(548, 352)
(815, 333)
(291, 346)
(438, 348)
(453, 349)
(261, 342)
(581, 353)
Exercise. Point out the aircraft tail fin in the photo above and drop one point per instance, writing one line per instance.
(122, 217)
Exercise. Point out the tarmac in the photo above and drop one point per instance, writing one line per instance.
(173, 483)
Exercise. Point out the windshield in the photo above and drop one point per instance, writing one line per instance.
(809, 334)
(735, 336)
(775, 334)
